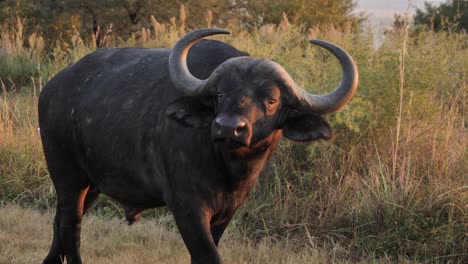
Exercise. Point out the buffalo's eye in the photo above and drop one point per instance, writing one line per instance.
(220, 96)
(271, 102)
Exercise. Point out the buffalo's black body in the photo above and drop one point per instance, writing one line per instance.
(104, 127)
(108, 111)
(136, 125)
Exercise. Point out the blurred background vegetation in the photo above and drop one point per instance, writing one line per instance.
(55, 19)
(392, 187)
(451, 15)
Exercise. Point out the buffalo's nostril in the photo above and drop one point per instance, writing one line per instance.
(218, 126)
(240, 129)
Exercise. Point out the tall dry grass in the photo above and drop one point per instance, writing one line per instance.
(392, 186)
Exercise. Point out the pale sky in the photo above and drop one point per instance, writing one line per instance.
(380, 12)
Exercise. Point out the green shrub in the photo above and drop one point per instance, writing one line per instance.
(16, 70)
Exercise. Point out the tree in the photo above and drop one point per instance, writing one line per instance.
(125, 16)
(308, 12)
(61, 18)
(451, 15)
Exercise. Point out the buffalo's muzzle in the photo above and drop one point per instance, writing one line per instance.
(231, 129)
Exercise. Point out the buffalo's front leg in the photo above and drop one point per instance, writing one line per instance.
(194, 226)
(219, 225)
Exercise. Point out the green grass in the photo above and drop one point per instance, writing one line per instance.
(392, 187)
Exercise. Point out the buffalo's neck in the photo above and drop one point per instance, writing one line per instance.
(244, 165)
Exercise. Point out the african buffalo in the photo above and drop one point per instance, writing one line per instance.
(136, 125)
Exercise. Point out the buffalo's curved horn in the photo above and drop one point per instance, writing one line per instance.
(335, 100)
(180, 74)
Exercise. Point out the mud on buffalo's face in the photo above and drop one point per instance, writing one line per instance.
(246, 99)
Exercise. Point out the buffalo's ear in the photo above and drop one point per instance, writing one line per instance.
(191, 111)
(306, 127)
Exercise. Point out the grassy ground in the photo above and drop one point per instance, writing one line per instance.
(393, 186)
(25, 236)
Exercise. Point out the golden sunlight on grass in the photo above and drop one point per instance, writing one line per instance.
(25, 235)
